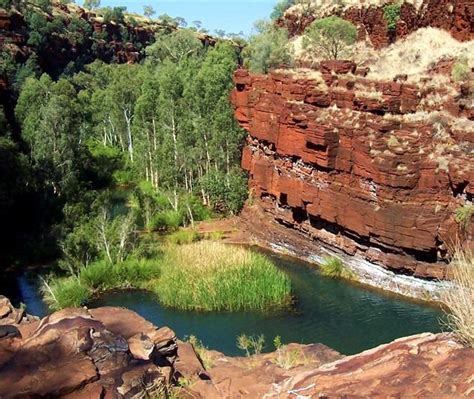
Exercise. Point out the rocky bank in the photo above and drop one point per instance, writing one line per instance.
(114, 353)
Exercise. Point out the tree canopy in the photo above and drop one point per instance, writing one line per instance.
(268, 48)
(330, 37)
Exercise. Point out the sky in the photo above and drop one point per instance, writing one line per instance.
(229, 15)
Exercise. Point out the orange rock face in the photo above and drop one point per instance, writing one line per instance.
(355, 164)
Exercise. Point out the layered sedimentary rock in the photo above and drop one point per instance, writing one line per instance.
(455, 17)
(376, 169)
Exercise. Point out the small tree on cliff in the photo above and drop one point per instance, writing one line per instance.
(330, 38)
(148, 11)
(268, 48)
(91, 4)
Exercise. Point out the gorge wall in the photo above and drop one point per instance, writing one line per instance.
(373, 168)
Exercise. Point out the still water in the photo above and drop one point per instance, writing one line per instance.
(344, 316)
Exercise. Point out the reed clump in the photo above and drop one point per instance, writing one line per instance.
(458, 297)
(60, 292)
(212, 276)
(334, 267)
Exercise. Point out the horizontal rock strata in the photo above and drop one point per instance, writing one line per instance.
(376, 169)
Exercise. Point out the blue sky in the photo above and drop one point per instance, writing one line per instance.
(228, 15)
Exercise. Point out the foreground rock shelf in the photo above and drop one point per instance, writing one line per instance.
(113, 352)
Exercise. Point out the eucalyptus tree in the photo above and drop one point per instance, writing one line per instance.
(49, 115)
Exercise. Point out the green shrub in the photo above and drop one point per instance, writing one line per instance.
(137, 272)
(391, 13)
(335, 268)
(227, 192)
(251, 343)
(460, 71)
(183, 237)
(168, 220)
(267, 49)
(330, 37)
(211, 276)
(64, 292)
(98, 276)
(464, 215)
(280, 8)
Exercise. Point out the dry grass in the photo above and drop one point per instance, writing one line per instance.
(416, 54)
(459, 297)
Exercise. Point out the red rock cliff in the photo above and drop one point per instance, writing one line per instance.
(357, 164)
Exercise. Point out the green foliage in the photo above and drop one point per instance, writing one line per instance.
(168, 220)
(334, 267)
(60, 293)
(210, 276)
(464, 216)
(280, 8)
(177, 46)
(6, 4)
(330, 37)
(8, 64)
(183, 236)
(148, 11)
(391, 13)
(91, 4)
(461, 70)
(78, 31)
(227, 192)
(170, 125)
(114, 14)
(251, 344)
(267, 49)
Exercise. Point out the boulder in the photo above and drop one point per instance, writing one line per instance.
(82, 354)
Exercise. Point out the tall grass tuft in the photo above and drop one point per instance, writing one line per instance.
(64, 292)
(335, 268)
(459, 297)
(212, 276)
